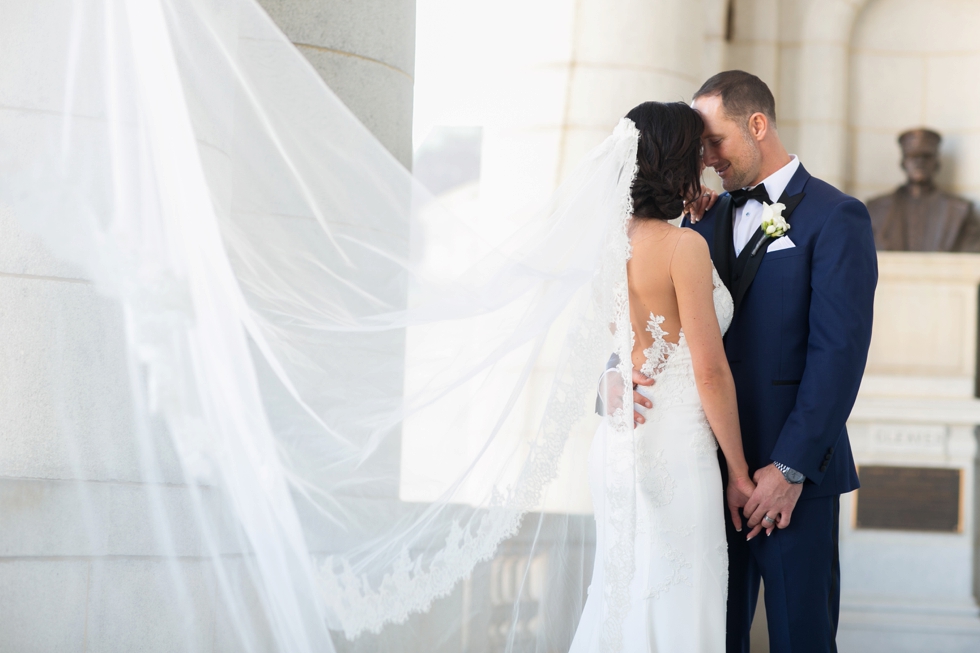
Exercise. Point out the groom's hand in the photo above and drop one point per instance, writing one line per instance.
(774, 496)
(696, 209)
(640, 400)
(611, 394)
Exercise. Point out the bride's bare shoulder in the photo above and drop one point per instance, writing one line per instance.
(692, 253)
(692, 243)
(658, 240)
(652, 233)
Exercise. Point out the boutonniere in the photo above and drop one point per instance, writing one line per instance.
(774, 225)
(773, 222)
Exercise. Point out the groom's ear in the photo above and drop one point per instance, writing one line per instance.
(758, 126)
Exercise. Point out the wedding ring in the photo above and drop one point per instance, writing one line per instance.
(769, 519)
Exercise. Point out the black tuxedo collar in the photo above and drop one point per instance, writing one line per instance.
(724, 241)
(750, 258)
(737, 273)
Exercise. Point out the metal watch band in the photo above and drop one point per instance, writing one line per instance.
(790, 474)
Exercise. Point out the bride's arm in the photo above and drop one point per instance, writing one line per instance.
(690, 270)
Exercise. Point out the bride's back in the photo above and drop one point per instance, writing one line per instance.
(651, 286)
(669, 272)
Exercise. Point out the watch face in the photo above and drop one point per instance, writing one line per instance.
(790, 474)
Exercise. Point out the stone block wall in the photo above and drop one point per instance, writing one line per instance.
(365, 51)
(913, 64)
(81, 566)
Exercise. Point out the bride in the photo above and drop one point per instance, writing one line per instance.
(679, 311)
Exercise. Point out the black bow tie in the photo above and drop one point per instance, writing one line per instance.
(741, 196)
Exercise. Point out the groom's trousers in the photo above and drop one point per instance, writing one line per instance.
(800, 566)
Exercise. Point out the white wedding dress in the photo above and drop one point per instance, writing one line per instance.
(679, 586)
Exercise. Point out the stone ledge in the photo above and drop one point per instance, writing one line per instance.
(965, 412)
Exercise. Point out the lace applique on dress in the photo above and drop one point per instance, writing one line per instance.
(657, 484)
(724, 306)
(659, 351)
(678, 564)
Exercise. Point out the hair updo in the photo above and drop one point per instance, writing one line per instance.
(668, 158)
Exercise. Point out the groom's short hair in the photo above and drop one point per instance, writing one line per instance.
(742, 94)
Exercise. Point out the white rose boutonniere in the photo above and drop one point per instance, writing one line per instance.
(773, 222)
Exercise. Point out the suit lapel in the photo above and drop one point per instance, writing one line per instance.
(751, 256)
(724, 242)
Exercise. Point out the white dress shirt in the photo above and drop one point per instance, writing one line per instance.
(748, 217)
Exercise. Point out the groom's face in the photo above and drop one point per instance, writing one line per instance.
(728, 148)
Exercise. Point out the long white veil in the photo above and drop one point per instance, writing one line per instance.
(304, 409)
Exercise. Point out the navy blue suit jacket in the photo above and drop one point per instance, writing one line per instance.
(799, 340)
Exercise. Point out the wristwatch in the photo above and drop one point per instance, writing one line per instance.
(791, 475)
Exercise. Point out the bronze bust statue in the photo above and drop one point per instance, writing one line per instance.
(918, 217)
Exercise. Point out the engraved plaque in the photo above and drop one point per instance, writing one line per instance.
(909, 498)
(909, 438)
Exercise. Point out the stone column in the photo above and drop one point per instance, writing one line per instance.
(77, 571)
(578, 67)
(822, 92)
(365, 51)
(80, 568)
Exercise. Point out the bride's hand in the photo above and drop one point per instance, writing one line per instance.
(696, 209)
(740, 488)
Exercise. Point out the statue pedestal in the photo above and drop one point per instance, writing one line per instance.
(909, 537)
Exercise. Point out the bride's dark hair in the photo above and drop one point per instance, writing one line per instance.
(668, 158)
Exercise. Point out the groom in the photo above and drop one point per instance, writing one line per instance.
(797, 348)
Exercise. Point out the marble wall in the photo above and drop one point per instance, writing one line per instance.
(576, 69)
(850, 75)
(912, 64)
